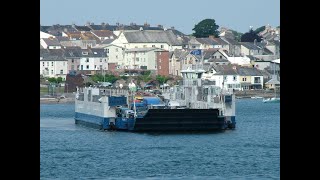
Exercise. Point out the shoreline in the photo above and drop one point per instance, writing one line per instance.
(56, 101)
(239, 95)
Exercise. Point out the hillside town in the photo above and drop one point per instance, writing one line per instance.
(76, 53)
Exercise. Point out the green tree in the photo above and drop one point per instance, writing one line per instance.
(205, 28)
(97, 77)
(237, 35)
(111, 78)
(162, 79)
(250, 37)
(59, 79)
(260, 29)
(52, 80)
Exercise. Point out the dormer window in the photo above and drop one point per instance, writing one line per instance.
(84, 53)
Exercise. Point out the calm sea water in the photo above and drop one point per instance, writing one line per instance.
(252, 151)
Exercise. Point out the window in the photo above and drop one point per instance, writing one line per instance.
(105, 60)
(47, 63)
(95, 66)
(100, 59)
(159, 60)
(116, 56)
(72, 60)
(78, 67)
(234, 78)
(61, 71)
(153, 46)
(257, 80)
(107, 51)
(51, 71)
(224, 78)
(220, 57)
(81, 67)
(51, 63)
(161, 47)
(116, 49)
(159, 67)
(42, 63)
(87, 66)
(87, 60)
(144, 46)
(100, 66)
(72, 67)
(193, 46)
(137, 59)
(244, 79)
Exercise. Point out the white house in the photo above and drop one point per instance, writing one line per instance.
(163, 39)
(115, 54)
(53, 66)
(103, 34)
(141, 58)
(228, 80)
(93, 59)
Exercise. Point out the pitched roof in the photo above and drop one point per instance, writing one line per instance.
(51, 41)
(250, 45)
(208, 41)
(152, 37)
(177, 33)
(273, 81)
(209, 52)
(267, 51)
(56, 52)
(225, 70)
(103, 33)
(96, 52)
(62, 38)
(73, 52)
(142, 49)
(107, 41)
(220, 41)
(249, 71)
(185, 39)
(230, 41)
(53, 58)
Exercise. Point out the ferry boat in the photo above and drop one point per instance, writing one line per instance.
(191, 106)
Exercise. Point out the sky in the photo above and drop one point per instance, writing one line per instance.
(238, 15)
